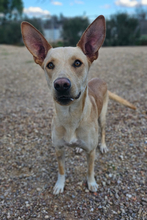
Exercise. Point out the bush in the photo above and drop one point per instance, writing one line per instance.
(57, 44)
(121, 30)
(142, 41)
(36, 22)
(10, 31)
(73, 29)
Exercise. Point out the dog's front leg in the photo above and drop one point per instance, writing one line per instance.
(59, 186)
(92, 185)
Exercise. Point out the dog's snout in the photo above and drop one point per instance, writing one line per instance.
(62, 84)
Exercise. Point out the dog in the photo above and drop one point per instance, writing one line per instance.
(79, 104)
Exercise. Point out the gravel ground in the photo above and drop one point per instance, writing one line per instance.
(28, 166)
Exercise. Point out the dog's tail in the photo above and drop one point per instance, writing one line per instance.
(121, 100)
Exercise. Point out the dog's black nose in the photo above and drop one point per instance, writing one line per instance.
(62, 84)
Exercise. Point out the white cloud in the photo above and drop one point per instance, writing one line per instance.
(144, 2)
(79, 2)
(56, 3)
(131, 3)
(106, 6)
(127, 3)
(35, 12)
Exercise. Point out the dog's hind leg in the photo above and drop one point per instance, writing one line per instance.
(92, 185)
(102, 122)
(59, 186)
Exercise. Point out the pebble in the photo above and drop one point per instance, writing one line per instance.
(144, 199)
(118, 181)
(30, 155)
(39, 189)
(122, 210)
(106, 197)
(128, 195)
(8, 215)
(103, 183)
(80, 183)
(116, 196)
(121, 157)
(100, 207)
(27, 204)
(110, 175)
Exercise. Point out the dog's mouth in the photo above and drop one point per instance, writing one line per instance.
(65, 100)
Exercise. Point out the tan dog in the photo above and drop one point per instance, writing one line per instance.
(78, 104)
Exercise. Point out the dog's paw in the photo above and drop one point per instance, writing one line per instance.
(78, 150)
(92, 186)
(58, 188)
(103, 148)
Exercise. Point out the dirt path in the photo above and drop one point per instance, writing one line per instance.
(28, 167)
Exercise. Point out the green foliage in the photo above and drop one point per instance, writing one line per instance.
(11, 32)
(9, 23)
(36, 22)
(141, 13)
(121, 30)
(3, 6)
(7, 7)
(142, 41)
(73, 29)
(57, 44)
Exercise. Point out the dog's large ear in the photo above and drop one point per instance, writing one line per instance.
(93, 38)
(35, 42)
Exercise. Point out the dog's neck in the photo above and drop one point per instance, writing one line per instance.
(70, 118)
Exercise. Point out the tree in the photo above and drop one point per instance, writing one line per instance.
(11, 8)
(36, 22)
(10, 32)
(121, 30)
(73, 29)
(141, 13)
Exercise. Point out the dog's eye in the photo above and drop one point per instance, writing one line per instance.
(50, 65)
(77, 63)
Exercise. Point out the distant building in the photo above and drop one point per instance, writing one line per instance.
(52, 29)
(53, 35)
(143, 27)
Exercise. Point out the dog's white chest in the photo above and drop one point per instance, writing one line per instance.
(70, 135)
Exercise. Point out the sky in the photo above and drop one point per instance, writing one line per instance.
(89, 8)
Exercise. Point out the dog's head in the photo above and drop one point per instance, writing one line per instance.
(66, 68)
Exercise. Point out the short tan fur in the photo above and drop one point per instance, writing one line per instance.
(79, 104)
